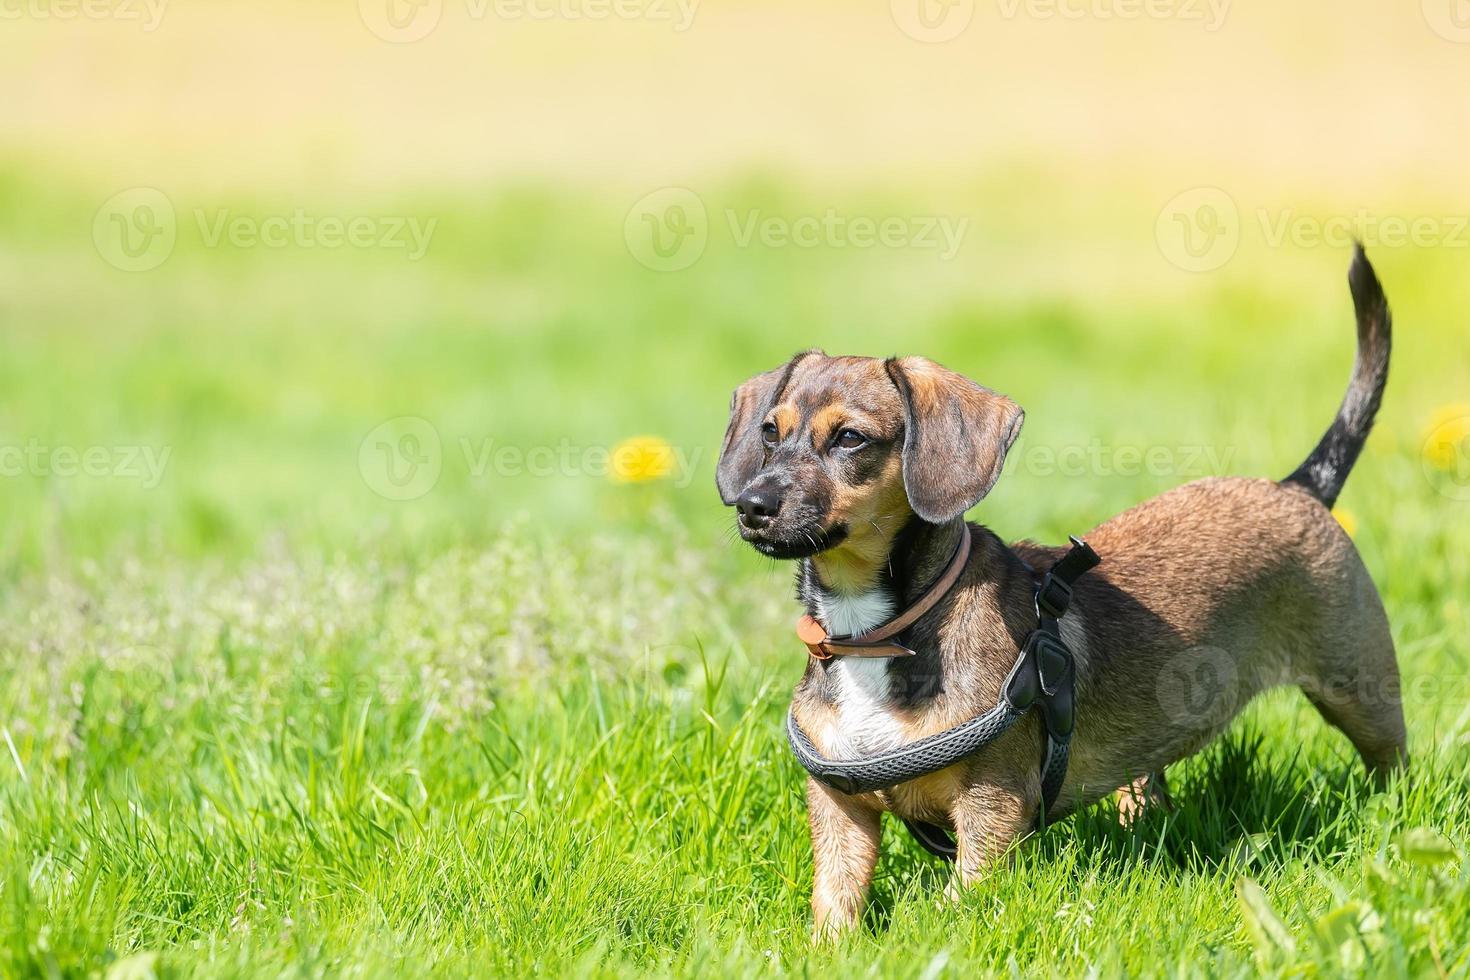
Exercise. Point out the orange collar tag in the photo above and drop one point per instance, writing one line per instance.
(810, 632)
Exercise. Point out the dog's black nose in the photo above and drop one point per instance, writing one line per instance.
(758, 506)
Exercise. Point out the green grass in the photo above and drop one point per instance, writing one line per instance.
(260, 720)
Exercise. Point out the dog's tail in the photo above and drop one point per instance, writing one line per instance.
(1326, 469)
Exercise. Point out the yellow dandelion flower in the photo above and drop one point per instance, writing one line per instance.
(1447, 437)
(640, 459)
(1347, 519)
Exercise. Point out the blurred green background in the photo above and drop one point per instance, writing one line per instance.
(1064, 151)
(321, 326)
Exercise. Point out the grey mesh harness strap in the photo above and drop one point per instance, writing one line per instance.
(1041, 678)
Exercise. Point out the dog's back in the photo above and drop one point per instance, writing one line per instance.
(1250, 584)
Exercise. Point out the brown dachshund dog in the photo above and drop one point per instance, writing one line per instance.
(862, 469)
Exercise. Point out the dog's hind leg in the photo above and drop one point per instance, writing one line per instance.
(1373, 722)
(1360, 695)
(1144, 793)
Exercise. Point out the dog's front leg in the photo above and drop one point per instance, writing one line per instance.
(989, 818)
(845, 833)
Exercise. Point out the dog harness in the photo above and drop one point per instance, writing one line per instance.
(1042, 678)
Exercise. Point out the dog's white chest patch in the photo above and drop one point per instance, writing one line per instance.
(865, 724)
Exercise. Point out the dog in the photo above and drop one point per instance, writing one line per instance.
(861, 470)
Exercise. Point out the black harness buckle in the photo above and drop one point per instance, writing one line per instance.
(1054, 596)
(1044, 667)
(1053, 662)
(1042, 678)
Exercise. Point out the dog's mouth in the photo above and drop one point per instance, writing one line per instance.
(786, 543)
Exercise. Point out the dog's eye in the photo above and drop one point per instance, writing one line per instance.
(769, 435)
(850, 439)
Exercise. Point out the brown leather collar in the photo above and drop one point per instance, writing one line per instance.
(874, 643)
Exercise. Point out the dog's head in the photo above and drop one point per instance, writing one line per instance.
(827, 450)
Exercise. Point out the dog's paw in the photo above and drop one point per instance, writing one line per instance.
(830, 924)
(1144, 794)
(954, 892)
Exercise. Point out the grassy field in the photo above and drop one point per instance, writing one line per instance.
(259, 718)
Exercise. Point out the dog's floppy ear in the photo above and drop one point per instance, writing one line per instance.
(742, 453)
(956, 436)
